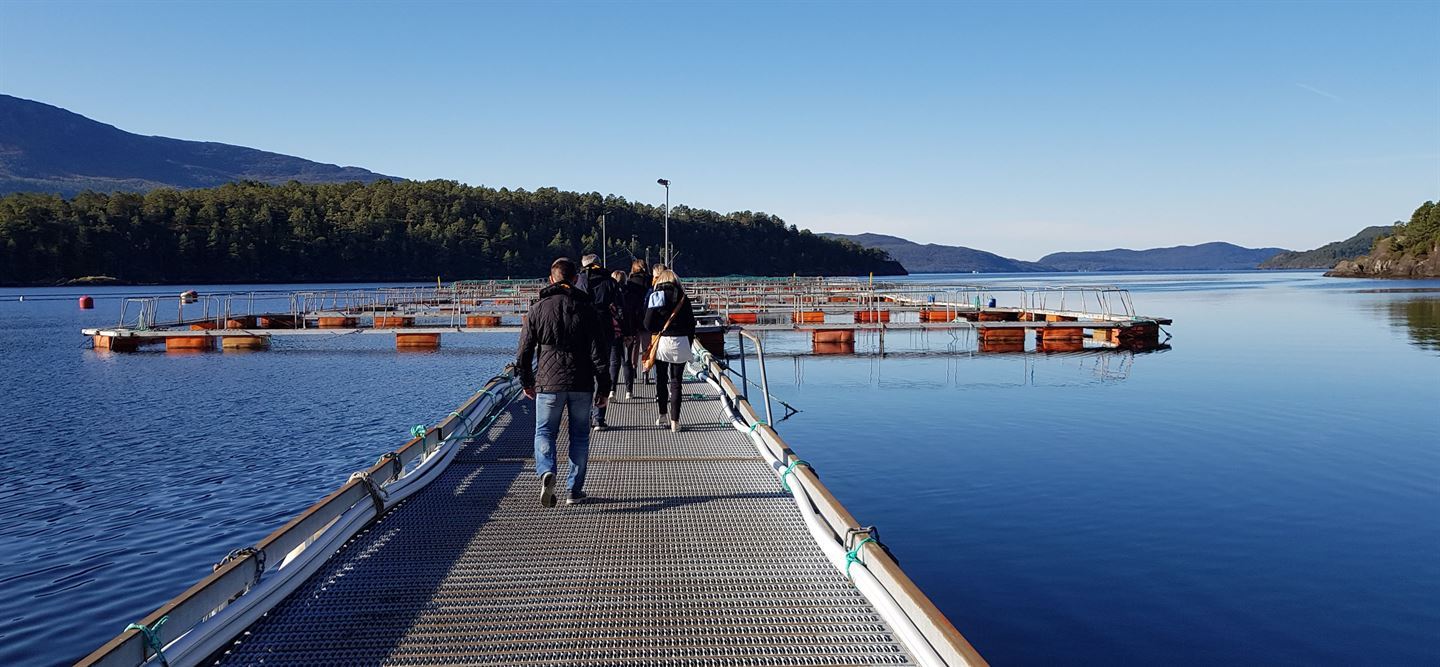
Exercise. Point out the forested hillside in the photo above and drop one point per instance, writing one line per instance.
(385, 230)
(1328, 255)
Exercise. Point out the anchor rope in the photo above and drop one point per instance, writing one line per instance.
(152, 637)
(784, 483)
(853, 556)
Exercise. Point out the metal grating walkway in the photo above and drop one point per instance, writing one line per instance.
(687, 553)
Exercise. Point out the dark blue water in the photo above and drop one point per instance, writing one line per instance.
(1265, 492)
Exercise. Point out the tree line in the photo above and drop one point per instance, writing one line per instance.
(386, 231)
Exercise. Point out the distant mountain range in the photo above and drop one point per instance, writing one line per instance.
(1330, 254)
(1215, 256)
(44, 148)
(932, 258)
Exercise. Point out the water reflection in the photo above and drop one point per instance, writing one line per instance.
(1422, 318)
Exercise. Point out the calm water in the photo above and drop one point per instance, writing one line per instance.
(1265, 492)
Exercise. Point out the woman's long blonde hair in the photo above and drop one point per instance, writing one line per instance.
(666, 276)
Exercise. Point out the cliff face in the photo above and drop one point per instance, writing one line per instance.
(1385, 262)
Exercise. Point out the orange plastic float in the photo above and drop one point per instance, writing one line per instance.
(428, 341)
(392, 321)
(481, 321)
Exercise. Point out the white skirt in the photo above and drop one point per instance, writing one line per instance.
(674, 349)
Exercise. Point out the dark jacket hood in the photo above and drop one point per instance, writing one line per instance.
(563, 288)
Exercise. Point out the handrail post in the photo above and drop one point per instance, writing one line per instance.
(764, 382)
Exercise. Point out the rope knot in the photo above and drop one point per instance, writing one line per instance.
(152, 637)
(784, 483)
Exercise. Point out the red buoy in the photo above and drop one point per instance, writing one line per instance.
(86, 303)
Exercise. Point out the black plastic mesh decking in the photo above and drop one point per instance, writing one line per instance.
(687, 553)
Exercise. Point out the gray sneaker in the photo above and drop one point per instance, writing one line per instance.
(576, 497)
(547, 490)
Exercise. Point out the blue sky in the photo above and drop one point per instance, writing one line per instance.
(1016, 128)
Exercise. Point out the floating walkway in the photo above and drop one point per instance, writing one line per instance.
(831, 311)
(713, 546)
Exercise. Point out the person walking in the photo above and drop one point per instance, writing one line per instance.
(605, 298)
(571, 375)
(671, 319)
(632, 326)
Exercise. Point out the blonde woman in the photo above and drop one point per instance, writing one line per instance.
(668, 316)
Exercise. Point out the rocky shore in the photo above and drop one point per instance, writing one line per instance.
(1383, 262)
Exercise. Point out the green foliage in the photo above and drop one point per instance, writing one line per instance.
(1418, 236)
(249, 231)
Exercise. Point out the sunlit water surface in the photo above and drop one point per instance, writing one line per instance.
(1266, 491)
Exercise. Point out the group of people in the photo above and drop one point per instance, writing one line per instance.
(589, 327)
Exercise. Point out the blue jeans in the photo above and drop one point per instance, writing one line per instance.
(548, 407)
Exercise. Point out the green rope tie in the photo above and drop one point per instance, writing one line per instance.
(456, 415)
(152, 637)
(784, 483)
(756, 425)
(853, 556)
(417, 431)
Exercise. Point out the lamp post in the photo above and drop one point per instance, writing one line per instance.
(666, 253)
(604, 247)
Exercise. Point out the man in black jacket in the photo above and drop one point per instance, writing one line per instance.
(572, 372)
(605, 299)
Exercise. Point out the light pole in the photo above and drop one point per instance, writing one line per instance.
(666, 253)
(603, 245)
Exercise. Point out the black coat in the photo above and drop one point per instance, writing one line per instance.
(574, 351)
(661, 302)
(632, 303)
(604, 296)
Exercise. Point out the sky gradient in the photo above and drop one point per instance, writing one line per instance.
(1021, 129)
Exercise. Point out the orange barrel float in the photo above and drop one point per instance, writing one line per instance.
(1059, 318)
(482, 321)
(86, 303)
(192, 343)
(1002, 340)
(1139, 336)
(743, 318)
(116, 343)
(429, 341)
(392, 321)
(833, 348)
(244, 342)
(840, 299)
(331, 322)
(810, 317)
(276, 322)
(1060, 340)
(1000, 316)
(937, 316)
(833, 336)
(872, 316)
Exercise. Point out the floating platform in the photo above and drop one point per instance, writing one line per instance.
(712, 546)
(830, 311)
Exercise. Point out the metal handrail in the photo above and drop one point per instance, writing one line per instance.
(764, 381)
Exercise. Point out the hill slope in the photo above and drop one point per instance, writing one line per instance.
(933, 258)
(44, 148)
(1216, 256)
(1326, 256)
